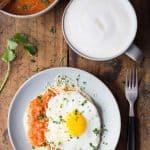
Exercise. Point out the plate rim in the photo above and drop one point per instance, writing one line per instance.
(57, 68)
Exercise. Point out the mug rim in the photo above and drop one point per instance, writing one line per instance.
(96, 58)
(30, 15)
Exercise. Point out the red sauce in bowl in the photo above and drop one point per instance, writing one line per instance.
(27, 7)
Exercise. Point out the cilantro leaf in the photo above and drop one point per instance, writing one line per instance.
(20, 37)
(31, 48)
(12, 45)
(8, 56)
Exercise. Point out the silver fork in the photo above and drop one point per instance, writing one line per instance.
(131, 92)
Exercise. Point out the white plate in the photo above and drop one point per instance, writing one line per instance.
(102, 96)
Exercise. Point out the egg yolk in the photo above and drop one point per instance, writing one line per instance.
(75, 123)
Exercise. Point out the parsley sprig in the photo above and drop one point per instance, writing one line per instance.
(9, 54)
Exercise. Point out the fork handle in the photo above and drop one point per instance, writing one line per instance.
(131, 133)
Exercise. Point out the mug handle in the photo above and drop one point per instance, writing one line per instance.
(134, 53)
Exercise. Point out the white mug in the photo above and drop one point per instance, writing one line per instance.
(131, 50)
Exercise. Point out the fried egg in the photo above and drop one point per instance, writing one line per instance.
(63, 118)
(74, 122)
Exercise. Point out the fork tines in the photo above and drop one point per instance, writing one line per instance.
(131, 78)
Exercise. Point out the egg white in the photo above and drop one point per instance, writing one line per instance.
(61, 105)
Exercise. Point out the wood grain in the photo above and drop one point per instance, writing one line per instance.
(53, 51)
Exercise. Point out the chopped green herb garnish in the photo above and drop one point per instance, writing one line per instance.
(52, 30)
(45, 1)
(78, 77)
(33, 147)
(104, 129)
(41, 116)
(105, 143)
(94, 147)
(96, 131)
(56, 122)
(76, 111)
(61, 105)
(24, 7)
(61, 119)
(73, 85)
(65, 99)
(71, 137)
(84, 103)
(39, 97)
(84, 82)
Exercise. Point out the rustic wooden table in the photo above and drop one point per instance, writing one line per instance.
(53, 52)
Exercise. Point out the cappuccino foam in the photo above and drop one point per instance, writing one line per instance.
(101, 29)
